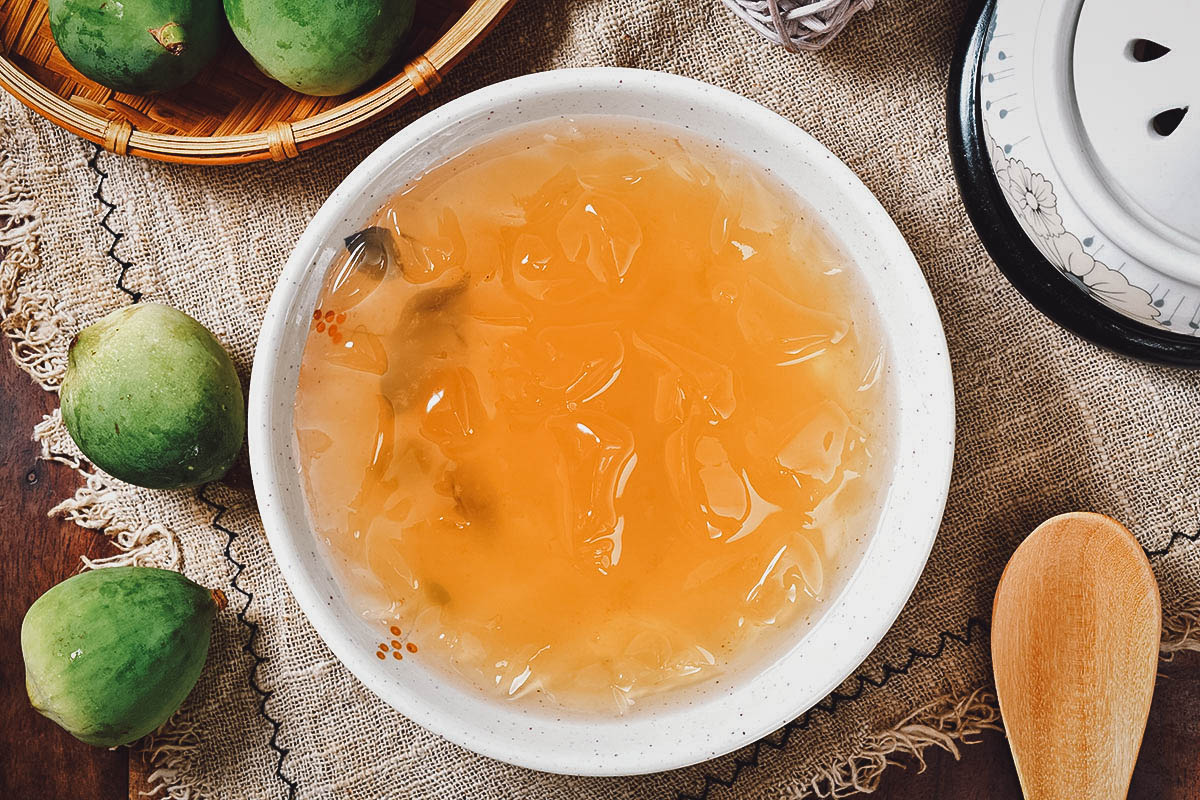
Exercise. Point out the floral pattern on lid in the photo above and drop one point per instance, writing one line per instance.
(1032, 199)
(1029, 128)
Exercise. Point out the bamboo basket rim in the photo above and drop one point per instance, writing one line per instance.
(280, 140)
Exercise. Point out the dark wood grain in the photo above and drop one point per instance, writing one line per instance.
(1168, 766)
(37, 758)
(984, 772)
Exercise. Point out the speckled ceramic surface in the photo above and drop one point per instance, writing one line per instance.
(691, 725)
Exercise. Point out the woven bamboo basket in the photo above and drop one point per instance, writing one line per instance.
(231, 113)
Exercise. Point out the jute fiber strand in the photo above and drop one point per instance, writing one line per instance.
(1047, 423)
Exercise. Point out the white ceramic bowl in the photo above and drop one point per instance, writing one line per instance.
(714, 718)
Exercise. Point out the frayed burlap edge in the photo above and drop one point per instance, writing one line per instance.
(29, 315)
(946, 724)
(1181, 631)
(949, 722)
(37, 332)
(99, 506)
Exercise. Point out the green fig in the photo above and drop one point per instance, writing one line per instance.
(111, 654)
(138, 46)
(320, 48)
(151, 397)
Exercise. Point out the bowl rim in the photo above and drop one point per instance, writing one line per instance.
(869, 614)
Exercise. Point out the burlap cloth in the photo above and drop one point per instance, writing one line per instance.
(1047, 423)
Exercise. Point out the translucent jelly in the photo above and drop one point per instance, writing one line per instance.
(592, 411)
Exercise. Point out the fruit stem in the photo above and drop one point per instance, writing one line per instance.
(171, 37)
(219, 598)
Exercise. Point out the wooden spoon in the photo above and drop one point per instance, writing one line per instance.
(1075, 634)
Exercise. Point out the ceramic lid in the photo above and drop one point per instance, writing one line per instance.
(1080, 113)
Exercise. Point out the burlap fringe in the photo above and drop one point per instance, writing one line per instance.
(946, 723)
(1181, 630)
(97, 505)
(37, 330)
(29, 315)
(168, 750)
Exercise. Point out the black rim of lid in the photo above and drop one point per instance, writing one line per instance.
(1042, 284)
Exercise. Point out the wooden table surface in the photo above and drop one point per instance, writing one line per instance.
(38, 760)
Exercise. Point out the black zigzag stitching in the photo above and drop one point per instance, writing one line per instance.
(117, 236)
(1176, 537)
(263, 694)
(975, 626)
(218, 509)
